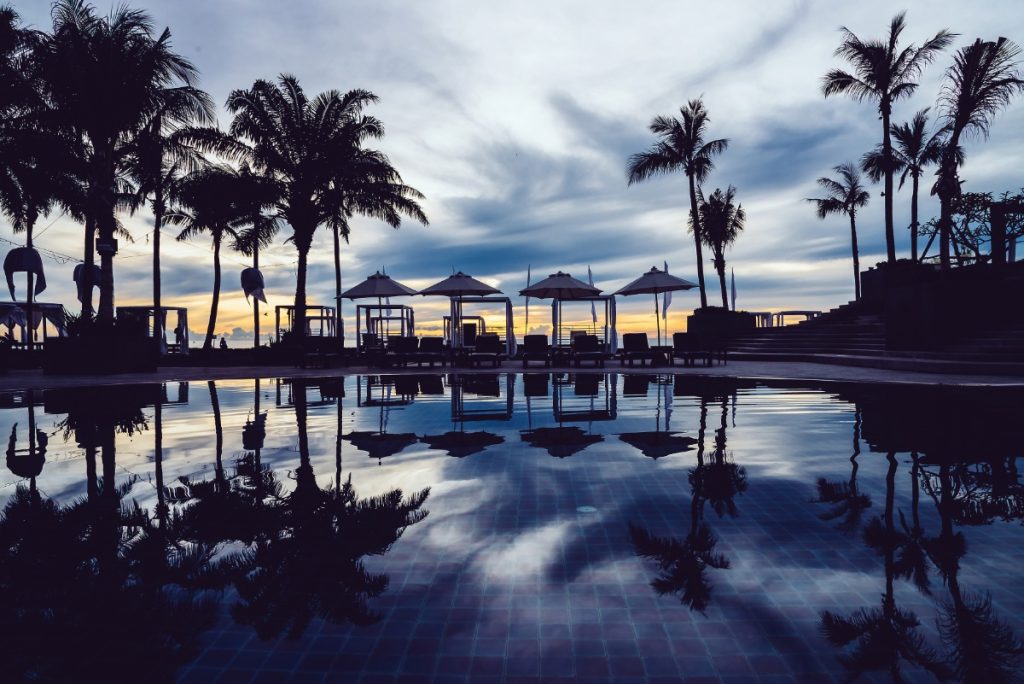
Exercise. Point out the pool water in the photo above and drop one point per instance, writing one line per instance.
(502, 527)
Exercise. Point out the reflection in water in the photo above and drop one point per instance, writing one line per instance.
(171, 518)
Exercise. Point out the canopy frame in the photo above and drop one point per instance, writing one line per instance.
(462, 414)
(406, 319)
(610, 326)
(568, 414)
(42, 312)
(326, 316)
(454, 334)
(180, 344)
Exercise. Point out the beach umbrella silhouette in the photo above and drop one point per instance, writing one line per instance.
(560, 287)
(655, 282)
(460, 444)
(658, 443)
(561, 441)
(379, 285)
(457, 286)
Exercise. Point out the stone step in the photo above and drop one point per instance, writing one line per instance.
(922, 365)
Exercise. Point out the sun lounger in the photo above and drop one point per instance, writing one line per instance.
(431, 350)
(488, 348)
(536, 348)
(587, 348)
(686, 348)
(400, 350)
(636, 348)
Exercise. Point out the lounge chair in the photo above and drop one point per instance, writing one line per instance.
(488, 348)
(536, 348)
(587, 348)
(535, 384)
(636, 348)
(432, 385)
(431, 350)
(401, 350)
(686, 347)
(636, 385)
(469, 335)
(586, 384)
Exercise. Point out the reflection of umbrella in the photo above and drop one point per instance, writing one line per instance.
(459, 444)
(560, 286)
(658, 444)
(29, 463)
(378, 285)
(254, 432)
(459, 285)
(560, 441)
(655, 282)
(380, 444)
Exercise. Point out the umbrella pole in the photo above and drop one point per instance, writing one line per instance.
(657, 317)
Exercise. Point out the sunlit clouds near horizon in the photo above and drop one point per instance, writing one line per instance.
(516, 121)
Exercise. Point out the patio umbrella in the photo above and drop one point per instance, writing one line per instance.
(560, 286)
(560, 441)
(459, 443)
(459, 285)
(655, 282)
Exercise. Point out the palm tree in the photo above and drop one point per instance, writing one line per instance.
(845, 196)
(982, 80)
(722, 220)
(884, 73)
(914, 151)
(158, 158)
(256, 228)
(847, 499)
(682, 147)
(309, 148)
(106, 79)
(205, 204)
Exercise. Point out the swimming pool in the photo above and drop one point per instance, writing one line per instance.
(504, 527)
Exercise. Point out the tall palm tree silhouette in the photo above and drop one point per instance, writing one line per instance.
(982, 81)
(915, 150)
(722, 223)
(883, 73)
(844, 196)
(106, 79)
(256, 227)
(682, 146)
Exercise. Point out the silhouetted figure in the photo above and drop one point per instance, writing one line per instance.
(223, 343)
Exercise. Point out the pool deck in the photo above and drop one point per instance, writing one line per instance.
(767, 371)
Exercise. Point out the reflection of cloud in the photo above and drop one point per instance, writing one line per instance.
(526, 555)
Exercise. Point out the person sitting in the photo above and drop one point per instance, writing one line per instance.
(223, 342)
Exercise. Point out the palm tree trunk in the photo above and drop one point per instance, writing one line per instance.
(158, 218)
(106, 226)
(948, 186)
(90, 261)
(256, 301)
(158, 461)
(856, 255)
(913, 217)
(890, 235)
(890, 531)
(695, 216)
(30, 331)
(720, 267)
(337, 278)
(208, 342)
(299, 329)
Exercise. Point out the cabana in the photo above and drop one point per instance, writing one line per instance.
(147, 314)
(12, 315)
(607, 332)
(321, 321)
(380, 317)
(464, 289)
(456, 315)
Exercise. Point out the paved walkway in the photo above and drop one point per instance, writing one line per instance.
(769, 371)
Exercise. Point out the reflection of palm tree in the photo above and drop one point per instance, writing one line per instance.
(719, 481)
(882, 636)
(848, 500)
(684, 563)
(311, 564)
(982, 648)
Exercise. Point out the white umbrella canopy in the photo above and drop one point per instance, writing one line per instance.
(655, 282)
(560, 286)
(378, 285)
(459, 285)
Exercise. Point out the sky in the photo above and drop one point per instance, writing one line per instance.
(516, 121)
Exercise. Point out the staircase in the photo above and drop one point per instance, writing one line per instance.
(854, 335)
